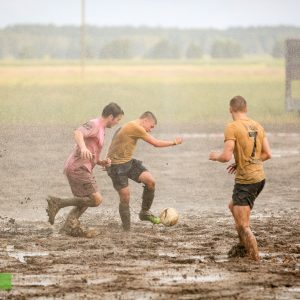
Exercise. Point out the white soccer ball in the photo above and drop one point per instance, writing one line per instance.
(169, 216)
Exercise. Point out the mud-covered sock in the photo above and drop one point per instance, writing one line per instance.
(125, 215)
(76, 212)
(148, 196)
(72, 215)
(77, 201)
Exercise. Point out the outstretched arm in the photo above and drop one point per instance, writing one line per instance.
(266, 150)
(224, 156)
(162, 143)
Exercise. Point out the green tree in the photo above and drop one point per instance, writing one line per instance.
(278, 49)
(63, 42)
(226, 49)
(193, 51)
(27, 52)
(164, 50)
(116, 49)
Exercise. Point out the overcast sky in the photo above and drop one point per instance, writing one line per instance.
(166, 13)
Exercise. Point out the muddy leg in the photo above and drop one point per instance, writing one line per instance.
(72, 220)
(230, 206)
(250, 242)
(73, 217)
(124, 209)
(147, 198)
(55, 204)
(242, 217)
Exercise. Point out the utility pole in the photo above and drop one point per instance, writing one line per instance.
(82, 38)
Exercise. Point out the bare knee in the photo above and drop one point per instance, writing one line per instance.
(147, 179)
(97, 198)
(150, 185)
(124, 195)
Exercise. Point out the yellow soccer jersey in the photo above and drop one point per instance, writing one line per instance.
(248, 136)
(124, 142)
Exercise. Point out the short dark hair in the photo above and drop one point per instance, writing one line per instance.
(112, 109)
(238, 103)
(149, 115)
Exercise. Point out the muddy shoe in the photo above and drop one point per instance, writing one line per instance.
(89, 233)
(72, 228)
(75, 229)
(237, 251)
(53, 208)
(80, 231)
(148, 216)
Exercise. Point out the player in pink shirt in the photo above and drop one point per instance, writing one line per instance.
(78, 168)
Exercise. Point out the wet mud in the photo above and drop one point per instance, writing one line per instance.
(187, 261)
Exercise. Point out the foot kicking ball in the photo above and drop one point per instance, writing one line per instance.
(169, 216)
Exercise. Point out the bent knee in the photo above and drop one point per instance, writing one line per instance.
(98, 201)
(97, 198)
(150, 185)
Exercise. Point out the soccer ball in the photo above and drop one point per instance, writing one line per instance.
(169, 216)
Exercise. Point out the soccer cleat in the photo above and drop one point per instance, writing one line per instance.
(148, 216)
(53, 208)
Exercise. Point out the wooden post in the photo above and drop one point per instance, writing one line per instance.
(292, 72)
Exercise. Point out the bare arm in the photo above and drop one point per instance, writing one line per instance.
(162, 143)
(266, 150)
(225, 155)
(84, 151)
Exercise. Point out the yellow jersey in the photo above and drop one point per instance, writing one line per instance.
(248, 136)
(124, 142)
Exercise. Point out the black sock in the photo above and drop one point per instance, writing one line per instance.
(125, 215)
(148, 196)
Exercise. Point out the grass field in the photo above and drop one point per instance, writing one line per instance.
(177, 92)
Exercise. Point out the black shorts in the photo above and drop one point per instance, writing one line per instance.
(120, 173)
(245, 194)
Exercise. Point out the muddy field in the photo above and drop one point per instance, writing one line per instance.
(187, 261)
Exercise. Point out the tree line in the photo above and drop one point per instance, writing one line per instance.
(63, 42)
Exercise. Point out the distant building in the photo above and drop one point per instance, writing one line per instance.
(292, 68)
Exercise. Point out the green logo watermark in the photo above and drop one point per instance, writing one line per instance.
(5, 281)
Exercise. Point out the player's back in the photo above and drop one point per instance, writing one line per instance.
(248, 135)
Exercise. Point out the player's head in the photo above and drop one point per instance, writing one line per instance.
(238, 104)
(113, 113)
(148, 120)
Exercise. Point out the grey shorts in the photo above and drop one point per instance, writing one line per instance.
(82, 182)
(120, 173)
(245, 194)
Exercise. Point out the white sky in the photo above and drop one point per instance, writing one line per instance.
(165, 13)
